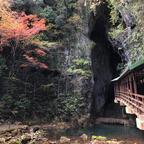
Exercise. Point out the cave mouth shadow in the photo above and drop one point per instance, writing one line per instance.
(98, 34)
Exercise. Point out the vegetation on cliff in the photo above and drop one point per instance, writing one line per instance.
(127, 19)
(42, 73)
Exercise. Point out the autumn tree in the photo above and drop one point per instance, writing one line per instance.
(17, 26)
(15, 29)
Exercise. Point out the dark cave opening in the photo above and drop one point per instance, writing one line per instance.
(99, 31)
(104, 63)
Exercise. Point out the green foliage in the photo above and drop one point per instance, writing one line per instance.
(80, 67)
(136, 9)
(114, 7)
(114, 16)
(62, 137)
(13, 104)
(69, 106)
(81, 62)
(98, 137)
(66, 6)
(47, 86)
(19, 104)
(135, 45)
(49, 14)
(93, 7)
(114, 32)
(26, 94)
(76, 21)
(117, 22)
(23, 104)
(135, 42)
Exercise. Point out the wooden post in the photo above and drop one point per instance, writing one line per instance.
(130, 80)
(135, 86)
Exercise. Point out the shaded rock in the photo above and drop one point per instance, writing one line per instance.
(2, 140)
(47, 142)
(2, 121)
(10, 130)
(121, 142)
(15, 132)
(84, 137)
(25, 138)
(75, 142)
(14, 141)
(8, 138)
(96, 141)
(64, 140)
(35, 129)
(52, 142)
(112, 142)
(60, 20)
(18, 123)
(32, 141)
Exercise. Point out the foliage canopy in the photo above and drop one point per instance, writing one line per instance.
(17, 26)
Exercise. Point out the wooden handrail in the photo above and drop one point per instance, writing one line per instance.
(138, 95)
(134, 101)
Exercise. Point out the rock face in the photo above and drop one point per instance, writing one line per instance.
(130, 36)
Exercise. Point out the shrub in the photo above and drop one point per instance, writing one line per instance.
(49, 14)
(69, 106)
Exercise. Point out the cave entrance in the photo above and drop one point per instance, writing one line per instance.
(104, 63)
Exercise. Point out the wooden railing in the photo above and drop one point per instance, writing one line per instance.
(133, 101)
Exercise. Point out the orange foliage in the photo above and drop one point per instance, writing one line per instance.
(33, 62)
(17, 26)
(40, 52)
(37, 51)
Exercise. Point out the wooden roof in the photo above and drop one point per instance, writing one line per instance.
(129, 68)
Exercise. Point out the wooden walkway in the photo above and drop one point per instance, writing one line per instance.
(134, 102)
(129, 90)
